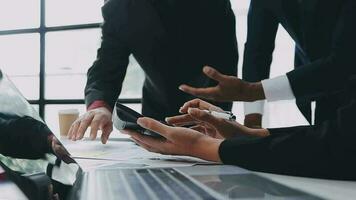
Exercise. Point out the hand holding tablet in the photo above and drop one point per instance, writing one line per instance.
(126, 118)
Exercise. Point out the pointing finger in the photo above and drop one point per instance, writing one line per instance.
(181, 120)
(74, 130)
(206, 93)
(84, 124)
(106, 131)
(214, 74)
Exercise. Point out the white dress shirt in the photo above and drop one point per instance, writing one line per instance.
(275, 89)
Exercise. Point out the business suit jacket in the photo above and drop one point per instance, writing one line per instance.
(322, 151)
(171, 40)
(324, 33)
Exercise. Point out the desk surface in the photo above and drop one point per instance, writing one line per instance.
(328, 189)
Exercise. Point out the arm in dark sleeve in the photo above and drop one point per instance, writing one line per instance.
(23, 137)
(261, 34)
(332, 71)
(326, 151)
(105, 77)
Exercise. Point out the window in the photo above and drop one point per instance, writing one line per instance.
(23, 72)
(69, 12)
(19, 14)
(67, 62)
(46, 48)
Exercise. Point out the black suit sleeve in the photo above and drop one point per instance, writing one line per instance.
(106, 75)
(23, 137)
(332, 71)
(325, 151)
(261, 35)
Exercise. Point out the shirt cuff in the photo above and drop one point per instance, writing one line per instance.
(256, 107)
(277, 89)
(99, 104)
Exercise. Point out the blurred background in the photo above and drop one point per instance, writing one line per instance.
(46, 48)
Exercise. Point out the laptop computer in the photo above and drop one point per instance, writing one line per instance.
(196, 182)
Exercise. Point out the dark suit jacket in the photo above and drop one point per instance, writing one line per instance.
(323, 151)
(324, 33)
(171, 40)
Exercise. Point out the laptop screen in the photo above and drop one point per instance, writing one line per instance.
(31, 156)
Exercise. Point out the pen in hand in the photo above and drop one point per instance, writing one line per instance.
(223, 115)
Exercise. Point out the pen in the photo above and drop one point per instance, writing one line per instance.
(223, 115)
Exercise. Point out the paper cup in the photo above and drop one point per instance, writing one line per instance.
(66, 119)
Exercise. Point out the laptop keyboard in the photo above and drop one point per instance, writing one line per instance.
(151, 184)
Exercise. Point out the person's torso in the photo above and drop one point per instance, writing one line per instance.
(311, 24)
(173, 40)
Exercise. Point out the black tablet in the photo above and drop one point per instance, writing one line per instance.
(126, 118)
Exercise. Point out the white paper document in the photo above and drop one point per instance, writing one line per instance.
(125, 154)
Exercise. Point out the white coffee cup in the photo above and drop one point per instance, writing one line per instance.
(66, 118)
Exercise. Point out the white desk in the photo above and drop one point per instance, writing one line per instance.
(328, 189)
(10, 191)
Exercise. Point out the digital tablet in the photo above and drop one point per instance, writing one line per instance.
(126, 118)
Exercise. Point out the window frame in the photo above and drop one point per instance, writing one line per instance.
(42, 30)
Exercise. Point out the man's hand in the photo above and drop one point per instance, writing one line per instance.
(178, 141)
(229, 88)
(97, 119)
(210, 125)
(253, 120)
(198, 103)
(188, 120)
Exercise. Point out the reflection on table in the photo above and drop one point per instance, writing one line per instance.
(30, 155)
